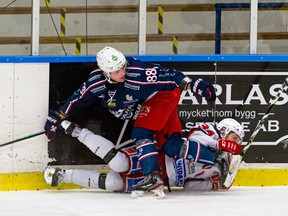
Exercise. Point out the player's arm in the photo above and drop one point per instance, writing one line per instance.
(207, 135)
(194, 84)
(82, 98)
(155, 77)
(199, 86)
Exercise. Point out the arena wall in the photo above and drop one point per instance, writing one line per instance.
(30, 85)
(195, 28)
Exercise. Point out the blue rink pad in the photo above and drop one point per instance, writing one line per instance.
(153, 58)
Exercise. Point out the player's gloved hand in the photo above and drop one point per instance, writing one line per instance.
(204, 89)
(229, 146)
(52, 124)
(209, 93)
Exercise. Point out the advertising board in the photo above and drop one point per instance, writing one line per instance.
(244, 91)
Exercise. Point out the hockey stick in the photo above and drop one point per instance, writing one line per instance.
(215, 82)
(237, 159)
(23, 138)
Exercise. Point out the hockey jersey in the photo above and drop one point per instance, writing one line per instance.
(191, 175)
(123, 99)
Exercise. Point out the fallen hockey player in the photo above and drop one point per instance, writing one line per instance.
(205, 171)
(138, 90)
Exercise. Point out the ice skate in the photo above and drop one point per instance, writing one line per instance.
(71, 128)
(223, 160)
(53, 176)
(152, 184)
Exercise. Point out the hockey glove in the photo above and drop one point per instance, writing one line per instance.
(228, 146)
(52, 124)
(204, 89)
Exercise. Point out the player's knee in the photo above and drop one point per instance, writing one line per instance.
(119, 163)
(173, 145)
(113, 182)
(139, 133)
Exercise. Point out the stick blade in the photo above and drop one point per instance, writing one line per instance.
(233, 170)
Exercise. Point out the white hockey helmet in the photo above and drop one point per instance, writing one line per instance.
(229, 124)
(110, 60)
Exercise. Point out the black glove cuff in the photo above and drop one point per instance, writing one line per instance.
(184, 83)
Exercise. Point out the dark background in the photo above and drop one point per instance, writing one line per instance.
(65, 78)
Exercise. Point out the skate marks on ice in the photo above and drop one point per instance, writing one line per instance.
(237, 201)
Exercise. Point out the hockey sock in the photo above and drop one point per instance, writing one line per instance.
(104, 149)
(97, 144)
(147, 155)
(85, 178)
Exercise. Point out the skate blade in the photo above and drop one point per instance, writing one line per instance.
(137, 193)
(157, 193)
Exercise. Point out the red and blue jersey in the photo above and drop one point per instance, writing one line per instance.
(142, 80)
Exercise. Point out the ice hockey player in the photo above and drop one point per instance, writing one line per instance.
(202, 172)
(132, 89)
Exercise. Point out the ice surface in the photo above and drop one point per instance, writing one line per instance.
(238, 201)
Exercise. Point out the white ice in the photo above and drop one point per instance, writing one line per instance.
(238, 201)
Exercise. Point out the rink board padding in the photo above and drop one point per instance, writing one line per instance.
(244, 91)
(28, 181)
(245, 177)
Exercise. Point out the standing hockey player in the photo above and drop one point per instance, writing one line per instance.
(200, 173)
(123, 84)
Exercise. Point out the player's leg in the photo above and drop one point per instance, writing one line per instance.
(156, 112)
(148, 159)
(111, 181)
(176, 147)
(173, 124)
(153, 117)
(99, 145)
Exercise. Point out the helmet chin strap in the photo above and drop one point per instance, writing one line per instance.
(107, 74)
(108, 78)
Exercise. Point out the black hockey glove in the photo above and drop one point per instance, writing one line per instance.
(204, 89)
(52, 124)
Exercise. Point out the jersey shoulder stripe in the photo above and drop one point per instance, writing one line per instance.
(150, 83)
(92, 86)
